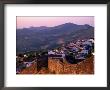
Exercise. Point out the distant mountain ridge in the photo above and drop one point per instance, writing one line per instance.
(36, 38)
(45, 27)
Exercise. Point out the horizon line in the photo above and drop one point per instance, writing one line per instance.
(52, 26)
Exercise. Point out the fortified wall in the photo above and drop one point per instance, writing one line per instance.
(55, 65)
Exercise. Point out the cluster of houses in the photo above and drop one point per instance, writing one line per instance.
(23, 61)
(72, 52)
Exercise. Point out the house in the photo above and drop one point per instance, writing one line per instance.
(82, 55)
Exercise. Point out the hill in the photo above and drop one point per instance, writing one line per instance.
(37, 38)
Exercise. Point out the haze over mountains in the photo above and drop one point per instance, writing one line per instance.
(37, 38)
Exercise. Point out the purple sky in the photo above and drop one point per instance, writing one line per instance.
(25, 22)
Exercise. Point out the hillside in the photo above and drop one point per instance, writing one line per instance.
(37, 38)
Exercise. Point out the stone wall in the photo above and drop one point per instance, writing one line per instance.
(55, 66)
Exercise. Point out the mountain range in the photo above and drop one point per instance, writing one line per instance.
(37, 38)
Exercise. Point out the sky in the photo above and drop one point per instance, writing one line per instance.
(35, 21)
